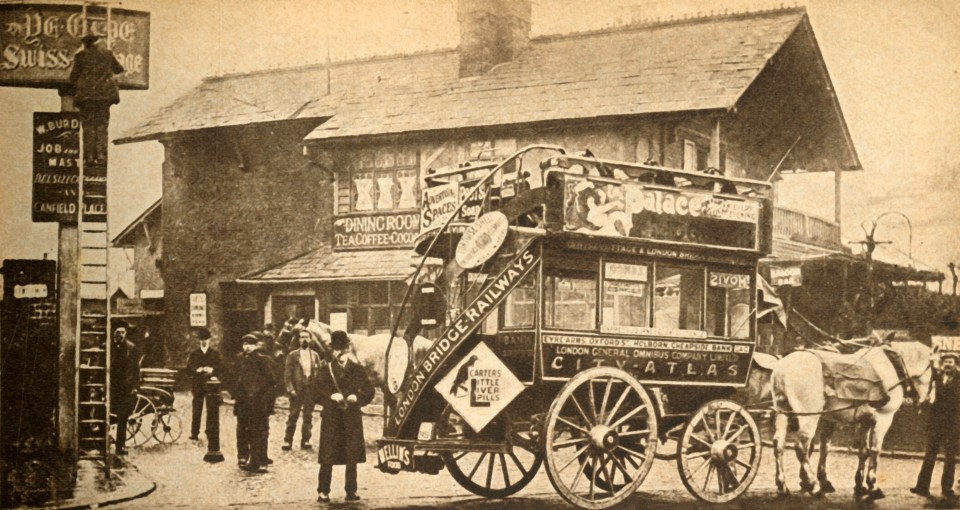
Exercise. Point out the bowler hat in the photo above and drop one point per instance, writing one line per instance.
(950, 354)
(250, 338)
(339, 340)
(203, 333)
(89, 38)
(120, 324)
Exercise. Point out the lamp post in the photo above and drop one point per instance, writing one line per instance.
(909, 230)
(213, 421)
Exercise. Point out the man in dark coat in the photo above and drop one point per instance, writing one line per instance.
(203, 363)
(124, 380)
(253, 392)
(300, 377)
(942, 427)
(343, 388)
(94, 91)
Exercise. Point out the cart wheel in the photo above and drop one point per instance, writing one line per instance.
(169, 427)
(601, 438)
(491, 474)
(719, 452)
(140, 424)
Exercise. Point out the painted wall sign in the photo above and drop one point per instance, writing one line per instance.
(38, 43)
(627, 248)
(482, 239)
(479, 387)
(665, 360)
(783, 276)
(30, 291)
(946, 343)
(729, 280)
(625, 272)
(460, 328)
(56, 159)
(198, 309)
(439, 203)
(398, 230)
(632, 210)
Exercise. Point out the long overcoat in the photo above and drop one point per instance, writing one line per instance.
(124, 377)
(254, 385)
(341, 429)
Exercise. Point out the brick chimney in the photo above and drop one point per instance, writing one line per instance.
(491, 32)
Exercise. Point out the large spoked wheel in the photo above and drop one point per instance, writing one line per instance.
(168, 427)
(718, 455)
(140, 424)
(601, 438)
(492, 474)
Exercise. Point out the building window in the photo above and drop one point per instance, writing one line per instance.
(520, 307)
(379, 180)
(678, 297)
(694, 156)
(371, 307)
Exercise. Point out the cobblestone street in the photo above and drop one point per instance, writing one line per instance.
(184, 480)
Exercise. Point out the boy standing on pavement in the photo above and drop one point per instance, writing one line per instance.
(300, 378)
(253, 395)
(203, 363)
(343, 389)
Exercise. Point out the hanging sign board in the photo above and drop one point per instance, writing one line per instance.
(198, 309)
(482, 239)
(38, 43)
(479, 387)
(946, 343)
(786, 276)
(369, 231)
(56, 156)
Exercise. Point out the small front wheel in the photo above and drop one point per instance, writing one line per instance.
(718, 454)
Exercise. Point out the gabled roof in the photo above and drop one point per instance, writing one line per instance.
(121, 238)
(689, 65)
(324, 264)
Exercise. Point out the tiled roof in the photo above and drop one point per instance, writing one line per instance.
(700, 64)
(324, 264)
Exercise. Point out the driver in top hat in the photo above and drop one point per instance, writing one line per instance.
(942, 427)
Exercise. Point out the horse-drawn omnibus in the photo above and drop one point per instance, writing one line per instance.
(579, 310)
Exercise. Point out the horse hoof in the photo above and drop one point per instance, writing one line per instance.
(826, 487)
(859, 491)
(877, 494)
(783, 494)
(807, 487)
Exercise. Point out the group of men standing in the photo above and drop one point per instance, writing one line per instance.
(311, 373)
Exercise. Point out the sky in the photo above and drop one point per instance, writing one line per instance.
(895, 66)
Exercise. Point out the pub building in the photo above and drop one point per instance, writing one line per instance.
(297, 192)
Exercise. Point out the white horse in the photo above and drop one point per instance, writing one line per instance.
(799, 390)
(368, 350)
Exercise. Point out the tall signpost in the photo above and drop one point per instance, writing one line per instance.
(38, 47)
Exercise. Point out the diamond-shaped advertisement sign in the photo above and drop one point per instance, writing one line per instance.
(479, 387)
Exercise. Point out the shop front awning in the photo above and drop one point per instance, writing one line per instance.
(325, 265)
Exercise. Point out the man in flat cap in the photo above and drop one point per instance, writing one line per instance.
(942, 427)
(254, 388)
(203, 362)
(94, 91)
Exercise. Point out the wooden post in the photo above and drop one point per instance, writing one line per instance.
(67, 264)
(837, 194)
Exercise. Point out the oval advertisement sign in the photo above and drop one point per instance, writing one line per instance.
(482, 239)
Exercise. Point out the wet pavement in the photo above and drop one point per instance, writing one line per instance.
(183, 479)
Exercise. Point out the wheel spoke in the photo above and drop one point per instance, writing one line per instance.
(460, 455)
(606, 473)
(593, 402)
(697, 455)
(634, 433)
(575, 457)
(619, 463)
(477, 465)
(576, 479)
(716, 421)
(699, 468)
(616, 407)
(490, 472)
(574, 425)
(519, 464)
(569, 442)
(586, 420)
(739, 431)
(706, 481)
(606, 397)
(697, 438)
(632, 453)
(593, 474)
(627, 416)
(706, 427)
(503, 467)
(726, 429)
(746, 466)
